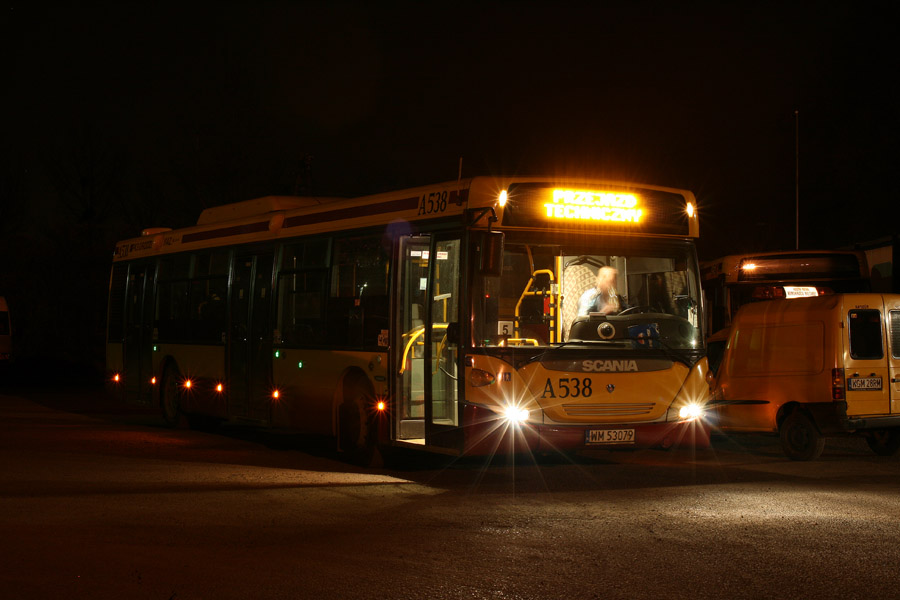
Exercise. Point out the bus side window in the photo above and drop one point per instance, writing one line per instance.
(357, 311)
(302, 293)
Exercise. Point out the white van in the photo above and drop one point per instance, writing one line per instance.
(5, 331)
(808, 368)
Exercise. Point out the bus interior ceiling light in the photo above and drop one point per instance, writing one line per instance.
(690, 209)
(501, 201)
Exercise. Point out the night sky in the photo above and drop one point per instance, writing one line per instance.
(121, 116)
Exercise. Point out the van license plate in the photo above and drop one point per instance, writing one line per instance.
(864, 383)
(596, 437)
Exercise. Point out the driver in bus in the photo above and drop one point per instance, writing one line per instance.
(603, 297)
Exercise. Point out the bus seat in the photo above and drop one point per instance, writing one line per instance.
(576, 280)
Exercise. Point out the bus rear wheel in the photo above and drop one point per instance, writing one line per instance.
(356, 430)
(885, 442)
(800, 440)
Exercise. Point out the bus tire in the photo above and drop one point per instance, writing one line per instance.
(170, 396)
(800, 440)
(356, 428)
(885, 442)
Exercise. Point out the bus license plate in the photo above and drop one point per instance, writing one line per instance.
(864, 383)
(595, 437)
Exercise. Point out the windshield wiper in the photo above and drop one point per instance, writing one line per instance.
(541, 354)
(658, 344)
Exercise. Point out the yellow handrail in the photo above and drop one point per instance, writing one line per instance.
(415, 334)
(528, 292)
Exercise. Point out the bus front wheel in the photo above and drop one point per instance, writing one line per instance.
(800, 440)
(356, 430)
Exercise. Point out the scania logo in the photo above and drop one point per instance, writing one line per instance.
(609, 366)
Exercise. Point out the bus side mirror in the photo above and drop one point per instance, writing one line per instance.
(491, 246)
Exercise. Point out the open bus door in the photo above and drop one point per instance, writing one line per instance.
(426, 341)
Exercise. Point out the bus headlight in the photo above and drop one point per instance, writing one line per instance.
(515, 415)
(690, 412)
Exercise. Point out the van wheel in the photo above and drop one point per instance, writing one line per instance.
(170, 396)
(885, 442)
(800, 440)
(356, 430)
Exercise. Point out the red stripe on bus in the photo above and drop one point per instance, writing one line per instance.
(350, 213)
(225, 232)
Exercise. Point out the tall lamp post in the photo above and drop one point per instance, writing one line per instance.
(797, 178)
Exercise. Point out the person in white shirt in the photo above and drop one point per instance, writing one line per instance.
(602, 298)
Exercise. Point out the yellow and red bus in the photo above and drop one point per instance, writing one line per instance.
(732, 281)
(444, 317)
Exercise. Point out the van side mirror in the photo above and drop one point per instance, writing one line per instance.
(490, 246)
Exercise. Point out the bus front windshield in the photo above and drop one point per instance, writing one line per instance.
(643, 297)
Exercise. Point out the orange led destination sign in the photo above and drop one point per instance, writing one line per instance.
(585, 205)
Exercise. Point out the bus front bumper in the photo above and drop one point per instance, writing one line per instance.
(487, 433)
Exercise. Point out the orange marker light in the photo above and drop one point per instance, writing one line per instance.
(276, 394)
(188, 383)
(116, 377)
(381, 405)
(219, 388)
(153, 381)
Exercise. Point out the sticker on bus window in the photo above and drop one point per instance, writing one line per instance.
(423, 283)
(797, 291)
(416, 253)
(442, 255)
(504, 327)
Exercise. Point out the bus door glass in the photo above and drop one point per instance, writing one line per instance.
(442, 346)
(250, 351)
(409, 338)
(138, 347)
(894, 359)
(865, 364)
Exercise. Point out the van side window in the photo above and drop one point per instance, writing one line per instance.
(865, 334)
(895, 333)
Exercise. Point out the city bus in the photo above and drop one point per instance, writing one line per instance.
(732, 281)
(444, 317)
